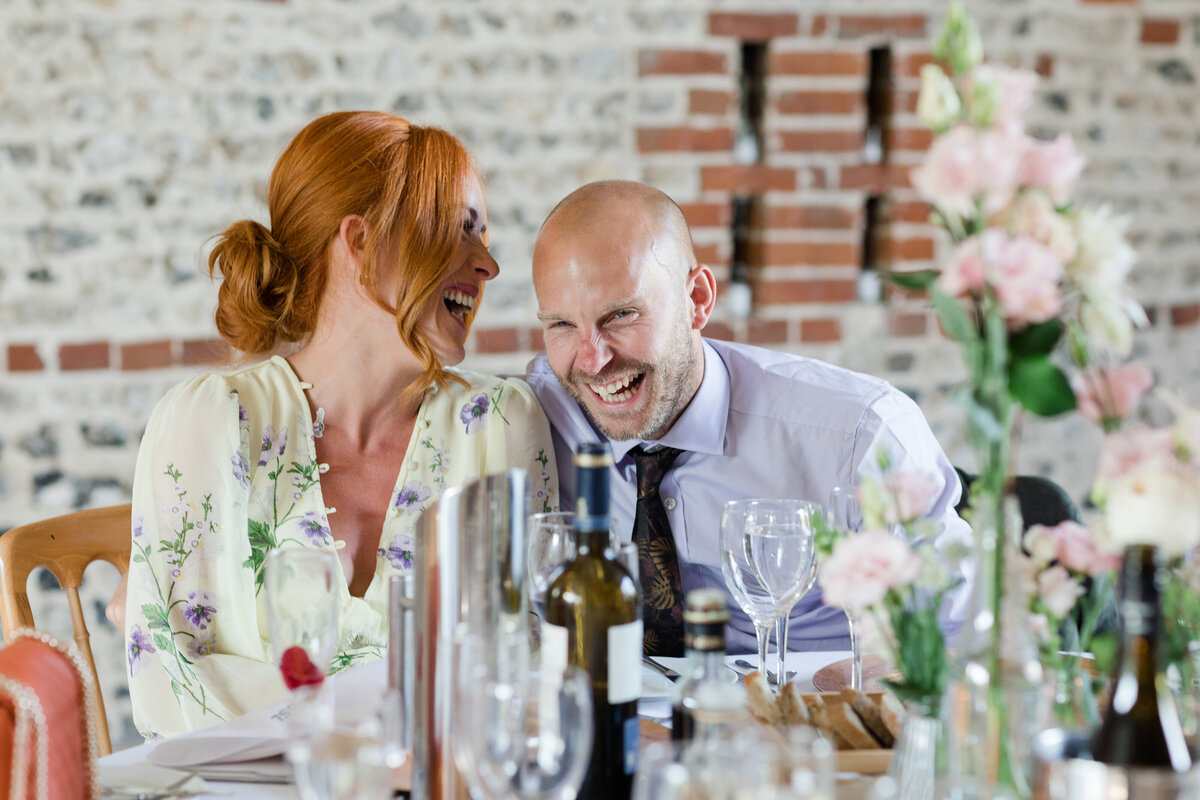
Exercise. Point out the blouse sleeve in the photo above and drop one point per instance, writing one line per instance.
(523, 441)
(194, 652)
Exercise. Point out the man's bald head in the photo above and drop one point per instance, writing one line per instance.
(634, 210)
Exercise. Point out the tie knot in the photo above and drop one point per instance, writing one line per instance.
(652, 466)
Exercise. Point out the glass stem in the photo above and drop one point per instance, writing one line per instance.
(763, 631)
(856, 655)
(781, 633)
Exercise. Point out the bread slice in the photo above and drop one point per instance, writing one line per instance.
(868, 711)
(791, 706)
(891, 712)
(847, 724)
(763, 704)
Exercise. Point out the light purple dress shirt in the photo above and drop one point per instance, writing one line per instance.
(763, 424)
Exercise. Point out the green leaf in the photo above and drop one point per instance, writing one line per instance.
(954, 318)
(156, 617)
(1037, 339)
(1040, 386)
(914, 281)
(163, 642)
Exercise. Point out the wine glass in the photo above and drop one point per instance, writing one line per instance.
(768, 560)
(551, 544)
(846, 514)
(302, 623)
(517, 733)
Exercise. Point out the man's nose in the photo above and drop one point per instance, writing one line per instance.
(594, 353)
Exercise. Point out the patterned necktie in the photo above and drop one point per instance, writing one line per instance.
(662, 590)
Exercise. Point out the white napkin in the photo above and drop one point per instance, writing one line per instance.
(146, 779)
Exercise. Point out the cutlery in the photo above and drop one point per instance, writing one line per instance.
(173, 790)
(666, 672)
(746, 665)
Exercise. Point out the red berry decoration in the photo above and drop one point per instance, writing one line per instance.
(298, 669)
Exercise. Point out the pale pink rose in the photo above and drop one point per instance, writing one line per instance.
(1041, 544)
(1059, 591)
(865, 566)
(1010, 91)
(910, 495)
(1124, 452)
(1054, 165)
(1040, 626)
(1024, 274)
(1034, 215)
(1103, 395)
(1079, 551)
(967, 163)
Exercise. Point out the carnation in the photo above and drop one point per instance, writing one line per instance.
(865, 567)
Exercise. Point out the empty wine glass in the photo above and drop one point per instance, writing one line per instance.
(516, 733)
(846, 514)
(551, 544)
(768, 560)
(302, 606)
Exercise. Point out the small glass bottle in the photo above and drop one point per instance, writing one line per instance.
(704, 617)
(1141, 727)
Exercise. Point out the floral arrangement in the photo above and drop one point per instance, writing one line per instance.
(899, 581)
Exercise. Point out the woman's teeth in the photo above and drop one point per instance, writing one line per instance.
(616, 391)
(459, 303)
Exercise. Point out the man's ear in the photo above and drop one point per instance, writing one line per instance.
(702, 291)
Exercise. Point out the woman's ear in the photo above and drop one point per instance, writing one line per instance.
(702, 291)
(352, 237)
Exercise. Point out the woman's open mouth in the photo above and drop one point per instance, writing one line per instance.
(458, 304)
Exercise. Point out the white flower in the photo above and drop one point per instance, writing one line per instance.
(1041, 544)
(1155, 505)
(938, 106)
(1059, 591)
(1104, 256)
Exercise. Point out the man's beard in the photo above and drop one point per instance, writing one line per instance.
(669, 381)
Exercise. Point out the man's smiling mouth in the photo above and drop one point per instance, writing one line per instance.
(619, 390)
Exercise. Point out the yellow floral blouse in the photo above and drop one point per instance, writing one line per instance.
(227, 470)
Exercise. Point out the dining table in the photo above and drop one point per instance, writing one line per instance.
(214, 754)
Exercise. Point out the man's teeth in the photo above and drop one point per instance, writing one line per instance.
(465, 302)
(616, 391)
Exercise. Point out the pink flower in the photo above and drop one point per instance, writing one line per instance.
(1107, 395)
(910, 494)
(1138, 448)
(1074, 547)
(1024, 274)
(1033, 214)
(967, 163)
(1059, 590)
(865, 566)
(1054, 165)
(1006, 93)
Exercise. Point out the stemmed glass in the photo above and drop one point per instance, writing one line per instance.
(302, 613)
(768, 560)
(517, 733)
(845, 514)
(551, 544)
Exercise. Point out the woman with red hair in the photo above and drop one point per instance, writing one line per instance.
(345, 419)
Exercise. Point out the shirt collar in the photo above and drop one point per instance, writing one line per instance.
(701, 426)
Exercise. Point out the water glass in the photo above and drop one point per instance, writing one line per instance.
(845, 513)
(551, 544)
(341, 765)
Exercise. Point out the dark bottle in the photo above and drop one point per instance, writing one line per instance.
(1141, 727)
(593, 621)
(704, 617)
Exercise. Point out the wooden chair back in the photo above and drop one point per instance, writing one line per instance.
(65, 546)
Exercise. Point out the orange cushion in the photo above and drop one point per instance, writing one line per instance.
(52, 677)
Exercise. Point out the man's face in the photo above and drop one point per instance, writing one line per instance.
(618, 328)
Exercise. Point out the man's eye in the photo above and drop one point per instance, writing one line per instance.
(626, 312)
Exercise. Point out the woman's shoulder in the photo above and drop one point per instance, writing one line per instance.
(481, 395)
(483, 383)
(202, 395)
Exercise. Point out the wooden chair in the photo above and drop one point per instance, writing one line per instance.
(65, 546)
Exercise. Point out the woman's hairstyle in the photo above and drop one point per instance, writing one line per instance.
(404, 180)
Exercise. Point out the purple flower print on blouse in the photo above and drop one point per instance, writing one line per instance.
(138, 519)
(410, 498)
(282, 442)
(319, 425)
(267, 444)
(200, 609)
(474, 413)
(399, 554)
(139, 646)
(241, 470)
(202, 645)
(315, 528)
(243, 417)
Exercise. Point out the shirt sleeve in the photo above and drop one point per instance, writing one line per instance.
(523, 441)
(194, 651)
(896, 425)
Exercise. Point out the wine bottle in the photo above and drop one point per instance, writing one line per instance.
(1141, 727)
(704, 617)
(593, 621)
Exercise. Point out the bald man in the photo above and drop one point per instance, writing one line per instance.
(622, 302)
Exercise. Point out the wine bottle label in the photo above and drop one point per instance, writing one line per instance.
(624, 662)
(554, 648)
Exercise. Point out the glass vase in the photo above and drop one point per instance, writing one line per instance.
(919, 762)
(997, 699)
(1074, 704)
